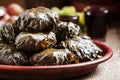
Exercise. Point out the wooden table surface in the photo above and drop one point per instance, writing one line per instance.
(109, 70)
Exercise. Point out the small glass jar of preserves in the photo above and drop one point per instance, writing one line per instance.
(96, 21)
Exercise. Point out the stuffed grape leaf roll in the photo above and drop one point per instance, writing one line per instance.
(66, 30)
(83, 47)
(38, 19)
(10, 56)
(53, 57)
(35, 42)
(7, 33)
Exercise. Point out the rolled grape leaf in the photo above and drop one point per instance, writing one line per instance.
(7, 33)
(53, 57)
(66, 30)
(38, 19)
(10, 56)
(34, 42)
(83, 47)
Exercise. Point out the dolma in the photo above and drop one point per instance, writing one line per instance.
(66, 30)
(53, 57)
(34, 42)
(38, 37)
(38, 19)
(10, 56)
(83, 47)
(7, 33)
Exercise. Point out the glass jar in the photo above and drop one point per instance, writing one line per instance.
(96, 21)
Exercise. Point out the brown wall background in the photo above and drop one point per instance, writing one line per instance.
(7, 2)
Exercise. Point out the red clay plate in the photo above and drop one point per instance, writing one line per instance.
(53, 72)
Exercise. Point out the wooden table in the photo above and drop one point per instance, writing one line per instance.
(109, 70)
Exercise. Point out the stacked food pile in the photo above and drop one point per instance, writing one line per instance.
(38, 37)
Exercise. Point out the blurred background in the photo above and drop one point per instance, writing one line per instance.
(112, 5)
(82, 8)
